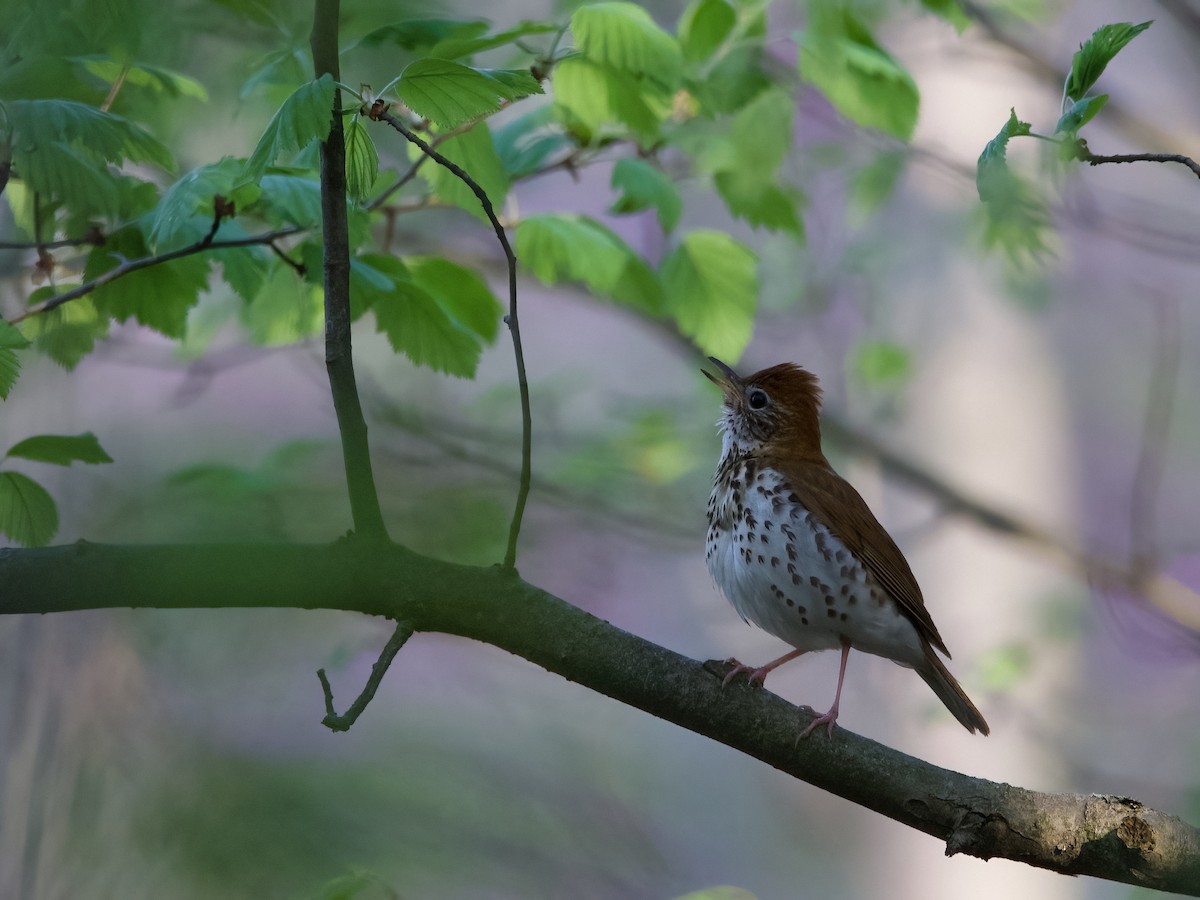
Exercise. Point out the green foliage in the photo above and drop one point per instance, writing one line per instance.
(704, 26)
(61, 450)
(882, 364)
(362, 160)
(644, 186)
(571, 247)
(306, 116)
(710, 285)
(11, 341)
(449, 93)
(1096, 53)
(28, 515)
(840, 57)
(474, 152)
(622, 36)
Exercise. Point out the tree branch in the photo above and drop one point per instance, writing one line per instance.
(332, 720)
(379, 113)
(1093, 159)
(1103, 836)
(339, 357)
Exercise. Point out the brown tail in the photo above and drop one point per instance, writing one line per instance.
(950, 692)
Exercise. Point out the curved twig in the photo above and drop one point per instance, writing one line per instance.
(343, 722)
(379, 113)
(1093, 159)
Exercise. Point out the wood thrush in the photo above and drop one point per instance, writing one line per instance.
(798, 552)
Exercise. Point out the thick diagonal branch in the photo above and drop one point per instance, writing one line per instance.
(1107, 837)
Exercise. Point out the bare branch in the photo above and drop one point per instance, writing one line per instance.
(343, 722)
(1093, 159)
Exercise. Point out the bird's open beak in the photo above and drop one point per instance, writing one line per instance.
(728, 381)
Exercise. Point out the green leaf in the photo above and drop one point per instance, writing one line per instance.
(474, 152)
(28, 515)
(362, 161)
(992, 175)
(594, 100)
(184, 213)
(882, 363)
(840, 57)
(525, 144)
(704, 26)
(623, 36)
(710, 285)
(155, 78)
(761, 204)
(423, 34)
(873, 184)
(68, 333)
(61, 449)
(570, 247)
(305, 116)
(158, 296)
(643, 186)
(1080, 113)
(38, 124)
(951, 11)
(11, 341)
(286, 309)
(416, 324)
(290, 199)
(282, 67)
(456, 47)
(449, 93)
(1096, 53)
(1015, 217)
(461, 293)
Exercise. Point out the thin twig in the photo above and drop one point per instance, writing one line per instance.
(129, 266)
(380, 113)
(115, 89)
(343, 722)
(1093, 159)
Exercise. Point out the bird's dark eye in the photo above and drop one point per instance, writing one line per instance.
(758, 398)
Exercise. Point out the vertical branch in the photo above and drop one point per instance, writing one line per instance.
(339, 360)
(379, 112)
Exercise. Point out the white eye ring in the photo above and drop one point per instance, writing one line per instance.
(758, 398)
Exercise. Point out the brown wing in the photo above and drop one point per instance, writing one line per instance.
(835, 502)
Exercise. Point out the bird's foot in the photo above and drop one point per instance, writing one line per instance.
(757, 676)
(827, 719)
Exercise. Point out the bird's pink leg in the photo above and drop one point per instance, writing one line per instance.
(830, 717)
(759, 676)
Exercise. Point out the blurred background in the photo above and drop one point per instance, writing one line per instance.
(180, 754)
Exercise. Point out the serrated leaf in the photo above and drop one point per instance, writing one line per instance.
(569, 247)
(644, 186)
(1096, 53)
(304, 117)
(71, 176)
(415, 323)
(36, 124)
(474, 152)
(28, 515)
(704, 26)
(423, 34)
(761, 204)
(992, 175)
(596, 100)
(158, 296)
(362, 161)
(840, 57)
(623, 36)
(61, 449)
(460, 292)
(1080, 113)
(710, 286)
(457, 47)
(11, 341)
(282, 67)
(449, 93)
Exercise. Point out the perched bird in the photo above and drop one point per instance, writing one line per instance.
(797, 551)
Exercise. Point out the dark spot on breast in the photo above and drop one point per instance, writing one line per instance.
(803, 620)
(832, 613)
(774, 562)
(828, 600)
(814, 581)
